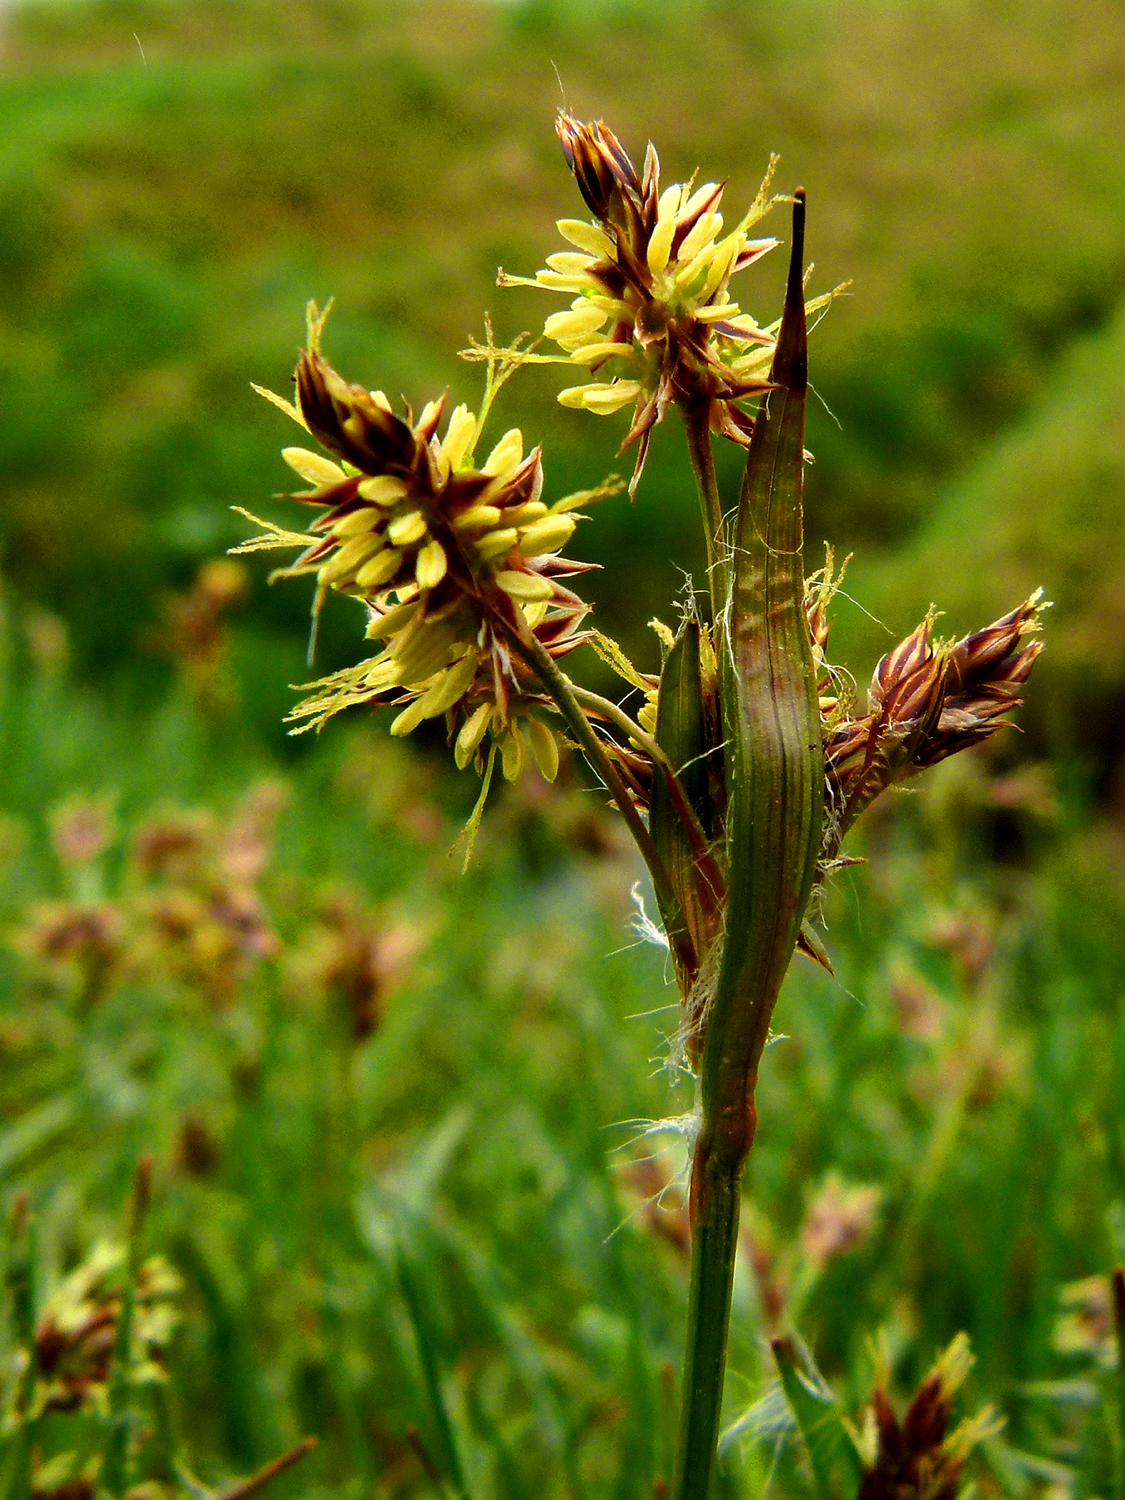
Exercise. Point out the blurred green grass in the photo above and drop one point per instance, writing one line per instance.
(381, 1184)
(366, 1221)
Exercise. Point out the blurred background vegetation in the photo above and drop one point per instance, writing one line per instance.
(384, 1101)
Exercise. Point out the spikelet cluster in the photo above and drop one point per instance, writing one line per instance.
(926, 701)
(650, 280)
(449, 560)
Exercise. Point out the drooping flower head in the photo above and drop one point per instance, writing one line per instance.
(447, 558)
(650, 279)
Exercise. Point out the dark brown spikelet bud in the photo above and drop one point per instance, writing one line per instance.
(919, 1458)
(603, 170)
(354, 424)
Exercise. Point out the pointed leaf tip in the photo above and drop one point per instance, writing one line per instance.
(795, 287)
(790, 361)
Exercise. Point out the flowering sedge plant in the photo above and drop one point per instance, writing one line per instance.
(750, 759)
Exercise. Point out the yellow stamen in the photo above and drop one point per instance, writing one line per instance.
(545, 748)
(472, 732)
(314, 468)
(525, 585)
(547, 535)
(587, 237)
(507, 455)
(383, 489)
(356, 523)
(431, 566)
(459, 436)
(407, 528)
(380, 570)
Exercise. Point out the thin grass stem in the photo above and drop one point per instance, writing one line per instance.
(705, 860)
(696, 419)
(561, 691)
(713, 1251)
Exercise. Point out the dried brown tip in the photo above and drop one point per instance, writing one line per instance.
(271, 1470)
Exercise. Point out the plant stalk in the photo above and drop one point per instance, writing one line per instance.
(775, 784)
(705, 861)
(697, 425)
(714, 1247)
(560, 689)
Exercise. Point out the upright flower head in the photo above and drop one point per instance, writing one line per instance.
(446, 557)
(925, 703)
(650, 280)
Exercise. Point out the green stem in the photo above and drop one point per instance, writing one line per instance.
(1117, 1285)
(714, 1246)
(705, 860)
(561, 690)
(115, 1465)
(697, 425)
(775, 780)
